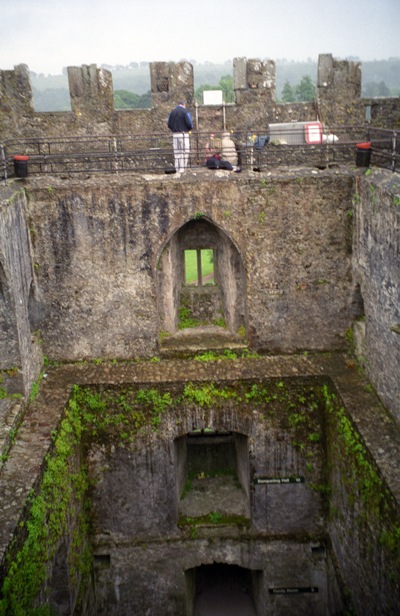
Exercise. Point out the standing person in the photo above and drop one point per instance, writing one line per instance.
(180, 123)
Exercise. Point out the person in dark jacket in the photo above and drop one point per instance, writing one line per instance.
(180, 123)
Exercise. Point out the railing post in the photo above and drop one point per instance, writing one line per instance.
(112, 147)
(394, 139)
(3, 158)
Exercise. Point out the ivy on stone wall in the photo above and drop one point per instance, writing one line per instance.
(367, 495)
(54, 510)
(120, 414)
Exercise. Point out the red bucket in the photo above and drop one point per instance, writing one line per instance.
(21, 166)
(363, 154)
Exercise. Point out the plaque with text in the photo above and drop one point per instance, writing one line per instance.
(278, 480)
(293, 590)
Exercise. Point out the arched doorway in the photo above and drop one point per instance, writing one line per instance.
(222, 590)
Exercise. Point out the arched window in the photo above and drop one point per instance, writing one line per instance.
(201, 280)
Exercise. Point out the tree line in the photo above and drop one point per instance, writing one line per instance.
(295, 81)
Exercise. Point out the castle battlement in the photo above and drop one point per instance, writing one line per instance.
(338, 101)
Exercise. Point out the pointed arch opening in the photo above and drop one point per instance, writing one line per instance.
(201, 283)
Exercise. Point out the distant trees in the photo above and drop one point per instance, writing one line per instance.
(288, 93)
(124, 99)
(294, 83)
(303, 92)
(51, 99)
(372, 89)
(225, 84)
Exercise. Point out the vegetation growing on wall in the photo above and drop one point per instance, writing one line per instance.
(185, 317)
(55, 510)
(366, 495)
(119, 415)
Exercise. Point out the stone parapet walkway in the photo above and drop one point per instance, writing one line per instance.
(22, 469)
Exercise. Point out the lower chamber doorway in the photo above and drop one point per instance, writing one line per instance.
(223, 590)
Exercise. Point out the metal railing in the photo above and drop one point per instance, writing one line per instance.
(153, 153)
(385, 147)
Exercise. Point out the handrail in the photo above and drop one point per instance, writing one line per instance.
(152, 152)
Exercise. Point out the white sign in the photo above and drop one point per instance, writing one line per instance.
(212, 97)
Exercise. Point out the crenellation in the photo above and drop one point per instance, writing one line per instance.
(339, 91)
(19, 88)
(254, 80)
(338, 101)
(16, 101)
(91, 91)
(171, 82)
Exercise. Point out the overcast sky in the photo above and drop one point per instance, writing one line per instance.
(48, 35)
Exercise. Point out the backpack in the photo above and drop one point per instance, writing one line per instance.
(260, 141)
(215, 162)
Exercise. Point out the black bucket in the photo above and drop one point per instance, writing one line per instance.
(363, 154)
(21, 166)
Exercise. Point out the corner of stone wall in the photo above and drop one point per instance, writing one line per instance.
(375, 264)
(21, 355)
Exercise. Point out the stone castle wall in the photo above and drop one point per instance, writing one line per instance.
(97, 252)
(20, 356)
(376, 269)
(148, 474)
(89, 257)
(313, 256)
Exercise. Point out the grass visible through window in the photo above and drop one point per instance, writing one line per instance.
(192, 266)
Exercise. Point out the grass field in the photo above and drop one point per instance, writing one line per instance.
(207, 265)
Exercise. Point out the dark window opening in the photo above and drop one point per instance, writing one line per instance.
(211, 453)
(357, 303)
(213, 476)
(102, 561)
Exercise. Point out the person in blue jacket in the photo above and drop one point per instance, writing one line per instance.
(180, 123)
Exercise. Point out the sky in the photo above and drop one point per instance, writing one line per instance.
(49, 35)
